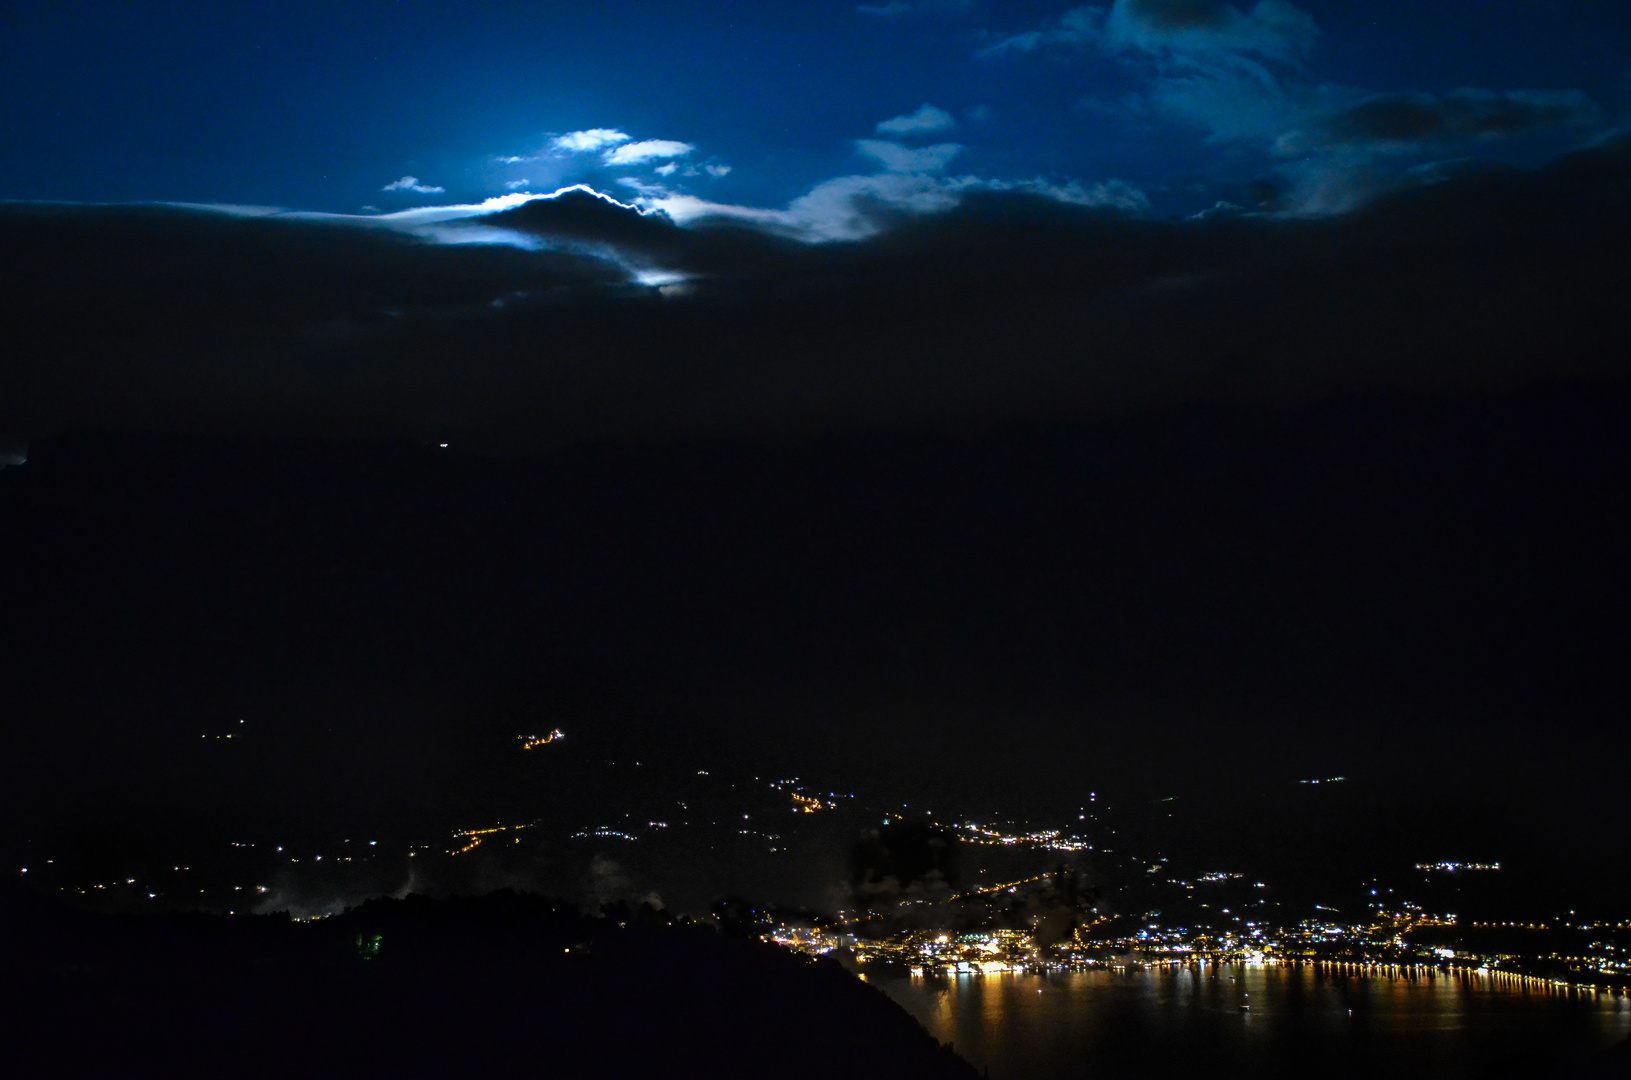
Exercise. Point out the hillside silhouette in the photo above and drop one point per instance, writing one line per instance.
(504, 985)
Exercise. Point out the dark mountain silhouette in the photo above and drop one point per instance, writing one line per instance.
(498, 986)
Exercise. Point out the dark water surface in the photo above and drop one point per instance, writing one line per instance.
(1303, 1021)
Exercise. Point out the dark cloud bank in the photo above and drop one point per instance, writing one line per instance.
(1349, 498)
(1009, 307)
(1412, 121)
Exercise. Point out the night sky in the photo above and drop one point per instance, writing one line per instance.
(965, 396)
(1174, 105)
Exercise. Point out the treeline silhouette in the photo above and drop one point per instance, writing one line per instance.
(502, 985)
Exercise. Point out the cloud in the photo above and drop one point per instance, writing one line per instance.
(926, 119)
(897, 9)
(1322, 185)
(411, 183)
(905, 159)
(1402, 122)
(1077, 27)
(609, 883)
(1273, 28)
(1206, 62)
(642, 188)
(1235, 71)
(856, 207)
(516, 185)
(859, 207)
(717, 170)
(1234, 97)
(1115, 195)
(577, 142)
(896, 300)
(647, 150)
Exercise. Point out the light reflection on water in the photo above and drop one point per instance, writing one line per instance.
(1302, 1021)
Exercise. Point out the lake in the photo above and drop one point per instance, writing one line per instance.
(1303, 1021)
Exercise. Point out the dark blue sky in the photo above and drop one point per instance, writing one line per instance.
(1174, 104)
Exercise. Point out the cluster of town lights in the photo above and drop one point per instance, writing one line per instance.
(532, 742)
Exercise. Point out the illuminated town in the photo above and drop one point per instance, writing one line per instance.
(1402, 943)
(1033, 898)
(532, 742)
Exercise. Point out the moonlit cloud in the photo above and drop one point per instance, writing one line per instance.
(1076, 27)
(926, 119)
(1115, 195)
(1210, 63)
(447, 224)
(843, 208)
(577, 142)
(1233, 97)
(411, 183)
(645, 190)
(857, 207)
(647, 150)
(905, 159)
